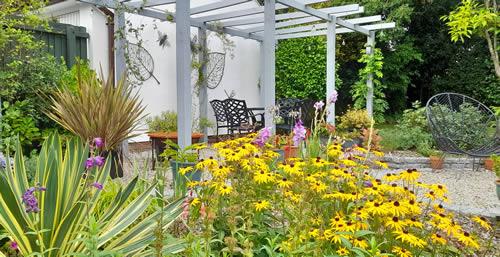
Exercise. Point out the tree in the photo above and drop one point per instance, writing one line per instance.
(472, 18)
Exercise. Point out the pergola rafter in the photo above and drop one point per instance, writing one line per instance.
(260, 23)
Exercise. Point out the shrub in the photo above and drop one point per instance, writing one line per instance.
(353, 121)
(329, 205)
(165, 122)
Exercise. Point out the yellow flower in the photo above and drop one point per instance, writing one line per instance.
(389, 177)
(349, 163)
(413, 222)
(262, 205)
(383, 165)
(195, 201)
(318, 186)
(261, 177)
(342, 251)
(185, 170)
(438, 239)
(466, 239)
(284, 183)
(192, 184)
(482, 222)
(409, 175)
(401, 252)
(395, 223)
(406, 237)
(378, 153)
(314, 233)
(397, 209)
(224, 189)
(360, 149)
(360, 242)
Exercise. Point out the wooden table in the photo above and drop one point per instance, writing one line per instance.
(158, 139)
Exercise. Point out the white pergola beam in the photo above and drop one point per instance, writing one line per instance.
(351, 26)
(269, 76)
(307, 19)
(216, 6)
(149, 3)
(321, 26)
(304, 8)
(246, 12)
(374, 27)
(183, 73)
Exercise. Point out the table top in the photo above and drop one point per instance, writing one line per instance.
(171, 135)
(256, 108)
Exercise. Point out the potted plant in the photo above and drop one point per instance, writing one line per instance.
(436, 158)
(488, 163)
(496, 168)
(351, 126)
(179, 158)
(99, 108)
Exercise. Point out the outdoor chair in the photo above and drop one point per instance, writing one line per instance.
(462, 125)
(221, 121)
(240, 118)
(290, 109)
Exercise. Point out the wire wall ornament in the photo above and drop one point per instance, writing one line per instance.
(215, 69)
(141, 64)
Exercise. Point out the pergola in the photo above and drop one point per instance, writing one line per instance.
(259, 23)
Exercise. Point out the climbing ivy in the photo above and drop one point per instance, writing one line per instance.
(373, 65)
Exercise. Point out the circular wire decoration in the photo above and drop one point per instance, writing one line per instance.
(215, 69)
(141, 63)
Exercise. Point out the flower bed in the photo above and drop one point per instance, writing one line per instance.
(328, 205)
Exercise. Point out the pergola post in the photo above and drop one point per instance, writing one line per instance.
(183, 72)
(269, 59)
(120, 62)
(261, 77)
(203, 94)
(369, 82)
(330, 68)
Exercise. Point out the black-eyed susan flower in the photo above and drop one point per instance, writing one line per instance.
(224, 189)
(466, 239)
(406, 237)
(342, 251)
(438, 239)
(401, 252)
(482, 222)
(262, 205)
(395, 223)
(409, 175)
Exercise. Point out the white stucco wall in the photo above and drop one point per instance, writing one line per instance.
(241, 73)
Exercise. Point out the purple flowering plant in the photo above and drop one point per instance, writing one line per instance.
(263, 136)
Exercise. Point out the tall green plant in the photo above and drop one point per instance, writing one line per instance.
(55, 222)
(373, 66)
(99, 109)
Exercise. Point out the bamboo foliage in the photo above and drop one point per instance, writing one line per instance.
(65, 206)
(98, 109)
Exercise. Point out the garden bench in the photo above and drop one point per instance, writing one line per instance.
(289, 110)
(234, 115)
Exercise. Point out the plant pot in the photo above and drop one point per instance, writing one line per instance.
(352, 143)
(290, 151)
(498, 188)
(436, 162)
(488, 164)
(281, 152)
(116, 170)
(193, 175)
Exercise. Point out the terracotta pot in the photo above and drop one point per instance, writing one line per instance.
(488, 164)
(290, 151)
(436, 162)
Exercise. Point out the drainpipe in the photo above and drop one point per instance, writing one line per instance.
(111, 38)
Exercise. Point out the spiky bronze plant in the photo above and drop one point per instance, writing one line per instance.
(98, 109)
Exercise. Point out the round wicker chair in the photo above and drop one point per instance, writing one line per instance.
(463, 125)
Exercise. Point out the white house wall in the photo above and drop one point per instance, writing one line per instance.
(241, 73)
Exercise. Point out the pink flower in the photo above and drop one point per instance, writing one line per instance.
(319, 105)
(97, 185)
(98, 142)
(264, 135)
(333, 97)
(299, 132)
(99, 161)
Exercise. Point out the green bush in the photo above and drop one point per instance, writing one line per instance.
(165, 122)
(411, 133)
(352, 122)
(18, 122)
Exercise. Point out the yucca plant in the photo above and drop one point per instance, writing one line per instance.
(98, 108)
(56, 225)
